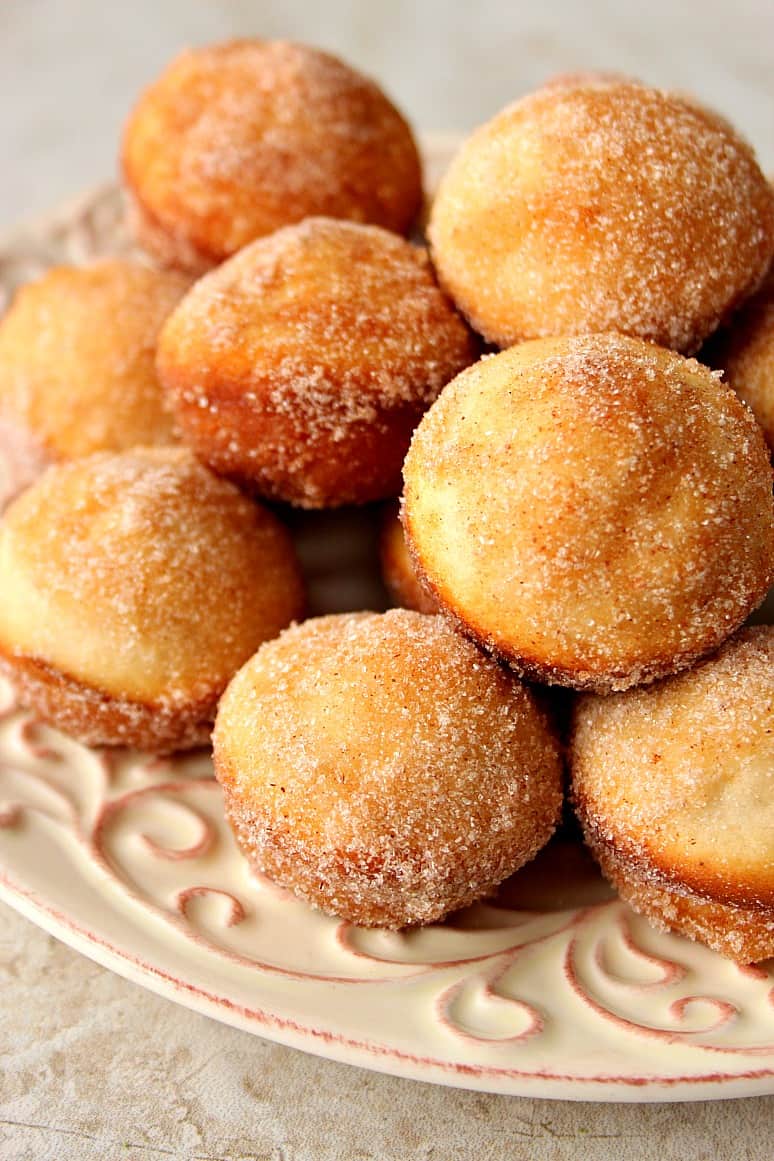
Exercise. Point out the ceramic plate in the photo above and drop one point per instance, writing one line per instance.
(552, 989)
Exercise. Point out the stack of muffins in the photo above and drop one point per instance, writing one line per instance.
(590, 508)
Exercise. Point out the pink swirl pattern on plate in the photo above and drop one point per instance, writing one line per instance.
(485, 999)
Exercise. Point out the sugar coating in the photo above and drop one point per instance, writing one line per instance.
(681, 775)
(597, 206)
(674, 785)
(303, 363)
(77, 352)
(98, 718)
(142, 575)
(739, 932)
(384, 769)
(595, 509)
(745, 351)
(237, 139)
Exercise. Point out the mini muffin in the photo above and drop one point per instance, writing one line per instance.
(602, 206)
(398, 572)
(235, 140)
(302, 365)
(674, 788)
(746, 353)
(134, 586)
(595, 509)
(77, 373)
(383, 769)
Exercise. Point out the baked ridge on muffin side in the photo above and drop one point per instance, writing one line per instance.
(674, 787)
(596, 510)
(134, 585)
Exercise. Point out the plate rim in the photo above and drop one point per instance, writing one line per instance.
(715, 1085)
(376, 1057)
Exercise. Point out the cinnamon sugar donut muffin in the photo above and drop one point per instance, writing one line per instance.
(301, 366)
(673, 786)
(134, 586)
(597, 510)
(235, 140)
(384, 770)
(77, 374)
(745, 351)
(398, 572)
(602, 206)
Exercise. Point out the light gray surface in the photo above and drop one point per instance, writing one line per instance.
(70, 69)
(103, 1069)
(94, 1067)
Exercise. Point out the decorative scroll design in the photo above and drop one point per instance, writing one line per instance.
(154, 831)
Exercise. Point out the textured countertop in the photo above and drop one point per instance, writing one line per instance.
(96, 1067)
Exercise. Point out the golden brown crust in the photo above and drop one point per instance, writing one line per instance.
(676, 777)
(301, 366)
(235, 140)
(271, 448)
(372, 890)
(597, 206)
(647, 863)
(631, 671)
(77, 357)
(745, 351)
(398, 573)
(144, 578)
(97, 718)
(401, 774)
(596, 510)
(672, 785)
(744, 933)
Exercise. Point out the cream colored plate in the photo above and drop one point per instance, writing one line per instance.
(553, 989)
